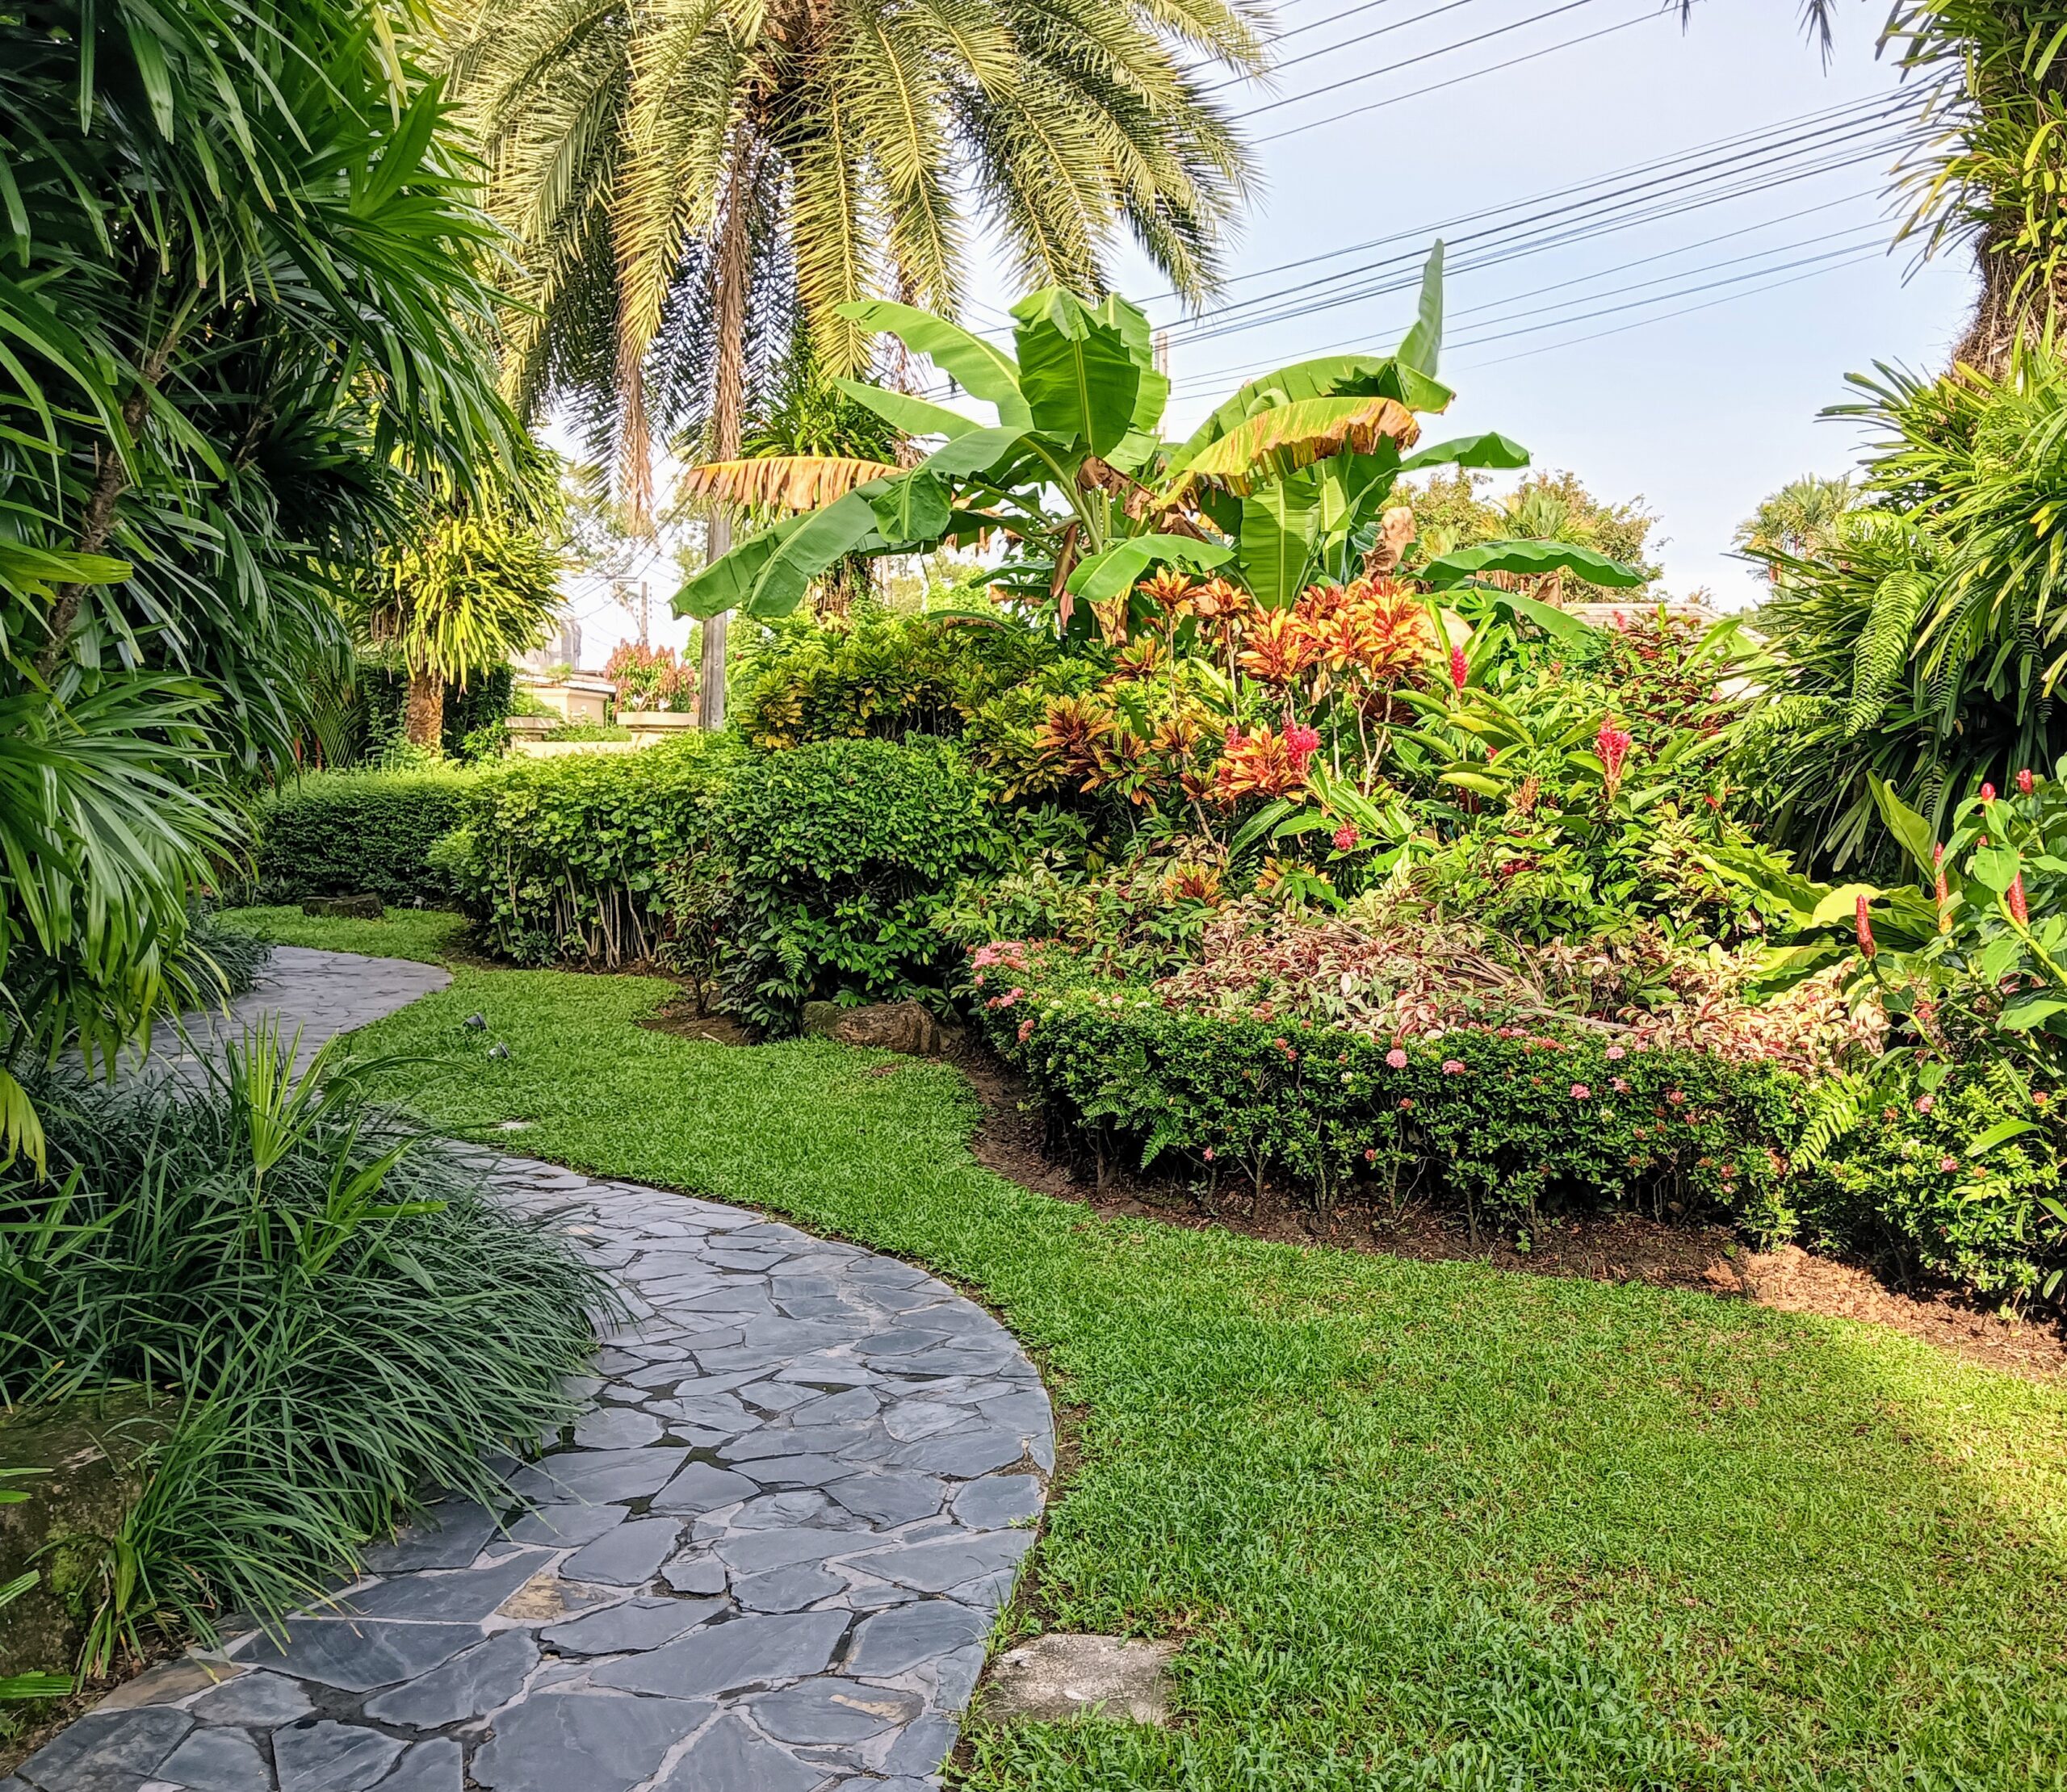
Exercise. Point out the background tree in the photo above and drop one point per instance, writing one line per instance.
(238, 279)
(688, 182)
(474, 581)
(1799, 522)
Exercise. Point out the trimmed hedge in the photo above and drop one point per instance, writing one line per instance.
(839, 855)
(575, 857)
(338, 833)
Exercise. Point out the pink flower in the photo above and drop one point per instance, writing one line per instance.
(1370, 1153)
(1347, 839)
(1025, 1031)
(1988, 793)
(1580, 1092)
(1925, 1103)
(1209, 1153)
(1407, 1103)
(978, 980)
(1617, 1052)
(1678, 1098)
(2019, 912)
(2024, 782)
(1611, 744)
(1460, 668)
(1397, 1058)
(2039, 1098)
(1301, 743)
(1454, 1067)
(1620, 1086)
(1862, 924)
(1948, 1165)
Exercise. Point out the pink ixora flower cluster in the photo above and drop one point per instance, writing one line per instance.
(1397, 1057)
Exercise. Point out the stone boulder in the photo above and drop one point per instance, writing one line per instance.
(344, 908)
(904, 1027)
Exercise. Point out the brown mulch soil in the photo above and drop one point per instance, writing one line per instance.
(1608, 1247)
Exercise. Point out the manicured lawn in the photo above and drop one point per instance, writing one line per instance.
(1417, 1525)
(424, 934)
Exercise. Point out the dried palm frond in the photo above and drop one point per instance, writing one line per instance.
(791, 483)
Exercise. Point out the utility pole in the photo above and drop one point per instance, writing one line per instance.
(645, 615)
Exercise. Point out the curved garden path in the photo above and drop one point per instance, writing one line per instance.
(765, 1560)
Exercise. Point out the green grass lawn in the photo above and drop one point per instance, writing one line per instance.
(426, 935)
(1425, 1525)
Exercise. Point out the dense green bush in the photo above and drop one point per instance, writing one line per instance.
(572, 857)
(476, 719)
(884, 676)
(344, 1316)
(839, 854)
(1506, 1122)
(333, 833)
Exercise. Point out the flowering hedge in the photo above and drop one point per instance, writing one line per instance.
(1505, 1121)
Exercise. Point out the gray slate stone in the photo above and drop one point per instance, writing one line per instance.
(433, 1766)
(695, 1574)
(701, 1487)
(786, 1589)
(566, 1526)
(468, 1596)
(450, 1535)
(831, 1709)
(895, 1641)
(948, 1561)
(584, 1742)
(107, 1751)
(896, 1497)
(616, 1427)
(628, 1557)
(360, 1656)
(218, 1761)
(465, 1687)
(266, 1701)
(634, 1626)
(720, 1658)
(733, 1756)
(997, 1501)
(327, 1757)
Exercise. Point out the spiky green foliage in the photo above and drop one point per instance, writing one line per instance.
(1926, 645)
(238, 280)
(332, 1306)
(1798, 519)
(865, 139)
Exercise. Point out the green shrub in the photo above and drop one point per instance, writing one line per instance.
(347, 1319)
(569, 857)
(840, 852)
(884, 676)
(476, 720)
(335, 833)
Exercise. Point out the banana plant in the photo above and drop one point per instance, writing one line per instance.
(1285, 482)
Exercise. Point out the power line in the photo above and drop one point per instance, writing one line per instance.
(1331, 49)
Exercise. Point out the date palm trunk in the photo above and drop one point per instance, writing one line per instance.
(423, 711)
(733, 272)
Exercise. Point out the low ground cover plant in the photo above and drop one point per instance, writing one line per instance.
(328, 1311)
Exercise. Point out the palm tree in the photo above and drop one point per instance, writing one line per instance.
(1799, 522)
(689, 180)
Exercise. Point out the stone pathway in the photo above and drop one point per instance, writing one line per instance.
(766, 1559)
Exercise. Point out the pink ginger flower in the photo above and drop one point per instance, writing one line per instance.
(1988, 793)
(2024, 782)
(1460, 668)
(1580, 1092)
(1347, 839)
(1611, 744)
(1397, 1058)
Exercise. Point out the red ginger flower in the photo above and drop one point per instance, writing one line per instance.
(1460, 668)
(1988, 793)
(2019, 912)
(1301, 743)
(1612, 745)
(1862, 924)
(1347, 839)
(2024, 782)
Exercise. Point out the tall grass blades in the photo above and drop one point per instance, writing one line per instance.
(344, 1317)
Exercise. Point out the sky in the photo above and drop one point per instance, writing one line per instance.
(1668, 246)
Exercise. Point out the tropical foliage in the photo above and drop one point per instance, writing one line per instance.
(239, 286)
(1925, 647)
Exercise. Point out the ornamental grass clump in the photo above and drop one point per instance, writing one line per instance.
(330, 1314)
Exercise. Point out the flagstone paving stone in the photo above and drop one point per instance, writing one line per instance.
(765, 1558)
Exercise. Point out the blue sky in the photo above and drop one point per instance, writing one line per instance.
(1702, 413)
(1568, 349)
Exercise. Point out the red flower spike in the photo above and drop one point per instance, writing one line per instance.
(2024, 782)
(1460, 668)
(1864, 926)
(2019, 912)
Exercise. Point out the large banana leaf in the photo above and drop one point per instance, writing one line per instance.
(914, 511)
(982, 368)
(1075, 373)
(769, 576)
(1327, 376)
(1138, 446)
(794, 483)
(1286, 438)
(1280, 526)
(1423, 345)
(1113, 570)
(1530, 558)
(914, 416)
(1491, 449)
